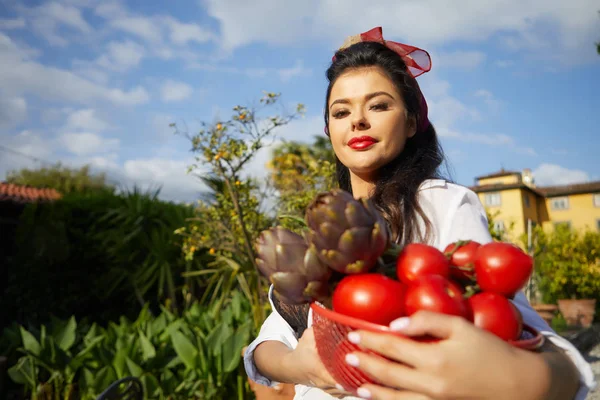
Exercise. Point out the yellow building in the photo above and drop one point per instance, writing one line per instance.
(515, 201)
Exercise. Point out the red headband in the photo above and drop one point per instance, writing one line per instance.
(417, 62)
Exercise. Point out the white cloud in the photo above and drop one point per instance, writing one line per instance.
(553, 174)
(172, 91)
(19, 76)
(460, 59)
(446, 112)
(121, 56)
(182, 33)
(170, 174)
(504, 63)
(16, 23)
(85, 119)
(139, 26)
(85, 143)
(424, 23)
(47, 18)
(488, 98)
(12, 111)
(285, 74)
(30, 148)
(154, 29)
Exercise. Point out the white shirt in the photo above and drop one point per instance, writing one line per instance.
(455, 213)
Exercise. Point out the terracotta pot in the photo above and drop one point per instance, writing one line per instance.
(578, 313)
(546, 311)
(285, 391)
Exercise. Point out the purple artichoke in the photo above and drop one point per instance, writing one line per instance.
(292, 266)
(349, 234)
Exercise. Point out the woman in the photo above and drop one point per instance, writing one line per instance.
(386, 149)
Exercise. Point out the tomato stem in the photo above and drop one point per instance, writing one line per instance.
(471, 290)
(457, 246)
(464, 268)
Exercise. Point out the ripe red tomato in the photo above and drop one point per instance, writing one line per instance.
(462, 257)
(416, 260)
(435, 293)
(496, 314)
(502, 268)
(370, 297)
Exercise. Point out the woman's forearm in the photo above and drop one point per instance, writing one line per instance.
(558, 378)
(564, 376)
(272, 360)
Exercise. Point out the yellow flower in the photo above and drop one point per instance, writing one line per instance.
(211, 251)
(192, 249)
(219, 126)
(238, 183)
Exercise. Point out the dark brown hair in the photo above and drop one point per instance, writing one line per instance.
(398, 182)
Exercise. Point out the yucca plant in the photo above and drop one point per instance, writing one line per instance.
(145, 253)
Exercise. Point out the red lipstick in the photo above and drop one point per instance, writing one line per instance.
(361, 142)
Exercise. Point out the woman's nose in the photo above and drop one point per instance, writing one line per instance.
(360, 123)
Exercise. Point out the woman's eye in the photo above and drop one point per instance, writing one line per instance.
(380, 106)
(340, 113)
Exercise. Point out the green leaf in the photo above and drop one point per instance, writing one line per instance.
(24, 373)
(30, 343)
(148, 350)
(134, 369)
(119, 362)
(151, 386)
(215, 338)
(91, 333)
(104, 378)
(65, 337)
(184, 349)
(233, 345)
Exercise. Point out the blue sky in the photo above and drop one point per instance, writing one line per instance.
(514, 84)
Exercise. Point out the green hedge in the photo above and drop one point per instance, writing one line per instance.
(98, 255)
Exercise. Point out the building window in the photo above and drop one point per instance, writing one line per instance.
(492, 199)
(596, 199)
(559, 203)
(526, 200)
(499, 226)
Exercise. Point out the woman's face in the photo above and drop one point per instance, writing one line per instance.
(368, 123)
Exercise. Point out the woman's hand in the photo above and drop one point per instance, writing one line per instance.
(311, 371)
(467, 363)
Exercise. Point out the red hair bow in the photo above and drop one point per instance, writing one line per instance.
(417, 60)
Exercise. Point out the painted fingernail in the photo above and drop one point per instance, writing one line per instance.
(340, 387)
(354, 337)
(351, 359)
(400, 324)
(363, 393)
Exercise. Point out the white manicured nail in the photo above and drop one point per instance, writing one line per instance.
(354, 337)
(351, 359)
(400, 324)
(364, 393)
(340, 387)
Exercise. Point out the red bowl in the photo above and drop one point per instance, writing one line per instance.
(331, 330)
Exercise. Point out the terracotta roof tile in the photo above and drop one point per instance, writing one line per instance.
(588, 187)
(499, 174)
(26, 194)
(544, 191)
(504, 186)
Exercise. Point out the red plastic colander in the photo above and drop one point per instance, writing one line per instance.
(331, 330)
